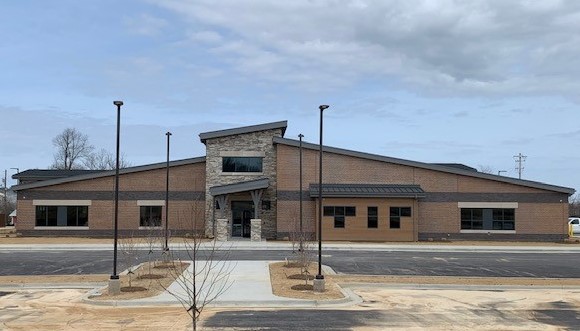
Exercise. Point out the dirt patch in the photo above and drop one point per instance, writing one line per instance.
(153, 283)
(54, 279)
(518, 281)
(286, 284)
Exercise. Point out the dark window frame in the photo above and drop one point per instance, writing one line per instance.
(149, 219)
(501, 219)
(395, 214)
(246, 164)
(339, 213)
(372, 217)
(76, 216)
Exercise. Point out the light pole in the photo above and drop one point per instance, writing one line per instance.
(300, 136)
(168, 134)
(319, 281)
(114, 285)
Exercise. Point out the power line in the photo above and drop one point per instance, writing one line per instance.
(520, 159)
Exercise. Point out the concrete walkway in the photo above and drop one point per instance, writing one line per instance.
(248, 285)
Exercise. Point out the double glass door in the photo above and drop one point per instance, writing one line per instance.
(242, 213)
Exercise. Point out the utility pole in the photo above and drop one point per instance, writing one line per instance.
(5, 199)
(519, 160)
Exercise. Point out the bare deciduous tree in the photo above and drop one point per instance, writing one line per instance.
(104, 160)
(486, 169)
(574, 205)
(72, 147)
(208, 274)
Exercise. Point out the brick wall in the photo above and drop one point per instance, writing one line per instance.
(186, 185)
(540, 213)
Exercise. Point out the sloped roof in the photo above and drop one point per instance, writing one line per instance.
(245, 129)
(367, 191)
(44, 174)
(429, 166)
(107, 173)
(249, 185)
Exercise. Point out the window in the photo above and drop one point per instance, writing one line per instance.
(471, 218)
(339, 213)
(150, 216)
(395, 216)
(62, 216)
(504, 219)
(487, 219)
(373, 217)
(241, 164)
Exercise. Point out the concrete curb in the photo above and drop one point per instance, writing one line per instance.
(461, 287)
(571, 248)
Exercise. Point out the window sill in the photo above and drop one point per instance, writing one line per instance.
(489, 231)
(150, 228)
(61, 228)
(242, 173)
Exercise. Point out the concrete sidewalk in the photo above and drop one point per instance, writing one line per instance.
(277, 245)
(249, 286)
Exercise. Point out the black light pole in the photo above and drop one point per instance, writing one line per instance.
(114, 275)
(320, 276)
(168, 134)
(300, 136)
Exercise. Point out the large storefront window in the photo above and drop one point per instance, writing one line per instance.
(488, 219)
(62, 216)
(150, 216)
(241, 164)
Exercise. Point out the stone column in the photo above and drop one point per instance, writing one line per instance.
(222, 229)
(256, 229)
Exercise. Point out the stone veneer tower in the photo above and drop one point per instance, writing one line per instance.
(251, 141)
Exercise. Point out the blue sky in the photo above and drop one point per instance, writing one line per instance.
(473, 82)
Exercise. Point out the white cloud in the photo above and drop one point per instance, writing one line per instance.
(442, 47)
(145, 24)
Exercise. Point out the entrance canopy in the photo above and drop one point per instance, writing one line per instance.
(251, 185)
(367, 191)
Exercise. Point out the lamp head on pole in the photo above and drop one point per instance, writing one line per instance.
(301, 136)
(168, 133)
(118, 103)
(323, 107)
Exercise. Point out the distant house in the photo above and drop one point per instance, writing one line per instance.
(13, 217)
(252, 173)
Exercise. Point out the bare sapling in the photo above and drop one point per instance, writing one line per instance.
(128, 249)
(208, 274)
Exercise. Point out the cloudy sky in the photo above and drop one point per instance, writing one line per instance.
(473, 82)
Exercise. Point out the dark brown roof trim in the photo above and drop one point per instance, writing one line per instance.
(245, 129)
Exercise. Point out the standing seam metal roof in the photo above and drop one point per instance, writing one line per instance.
(368, 190)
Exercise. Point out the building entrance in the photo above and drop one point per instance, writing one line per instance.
(242, 213)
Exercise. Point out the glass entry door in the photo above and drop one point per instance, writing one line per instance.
(242, 213)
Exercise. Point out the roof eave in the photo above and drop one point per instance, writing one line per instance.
(204, 136)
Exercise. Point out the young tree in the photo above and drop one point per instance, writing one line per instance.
(72, 147)
(208, 274)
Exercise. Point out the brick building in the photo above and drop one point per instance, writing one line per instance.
(252, 173)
